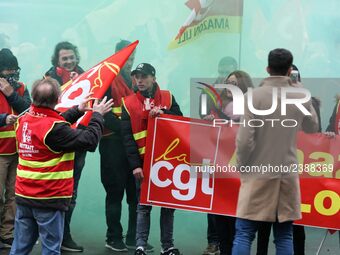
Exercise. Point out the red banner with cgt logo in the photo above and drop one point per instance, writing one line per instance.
(180, 150)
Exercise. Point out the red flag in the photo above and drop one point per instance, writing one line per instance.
(96, 80)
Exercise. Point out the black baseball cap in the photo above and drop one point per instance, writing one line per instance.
(144, 68)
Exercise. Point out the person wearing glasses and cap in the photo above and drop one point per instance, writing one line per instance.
(14, 99)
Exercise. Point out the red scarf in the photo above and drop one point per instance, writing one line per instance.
(64, 74)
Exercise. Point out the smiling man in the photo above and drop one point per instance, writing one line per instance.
(65, 67)
(65, 61)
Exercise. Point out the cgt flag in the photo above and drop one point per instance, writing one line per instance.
(209, 16)
(96, 80)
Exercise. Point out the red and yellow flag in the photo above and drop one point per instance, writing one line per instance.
(96, 80)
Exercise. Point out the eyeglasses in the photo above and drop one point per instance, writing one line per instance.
(230, 82)
(11, 70)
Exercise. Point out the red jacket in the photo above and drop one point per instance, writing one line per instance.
(42, 174)
(138, 107)
(7, 133)
(119, 89)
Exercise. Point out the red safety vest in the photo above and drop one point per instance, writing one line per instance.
(119, 89)
(337, 119)
(7, 133)
(42, 173)
(138, 107)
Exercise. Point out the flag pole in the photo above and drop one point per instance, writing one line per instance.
(322, 242)
(240, 41)
(22, 113)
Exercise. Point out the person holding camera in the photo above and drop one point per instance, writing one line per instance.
(14, 99)
(299, 235)
(272, 196)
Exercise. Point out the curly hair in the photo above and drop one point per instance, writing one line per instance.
(64, 46)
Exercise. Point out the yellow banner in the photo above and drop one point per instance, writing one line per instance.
(211, 24)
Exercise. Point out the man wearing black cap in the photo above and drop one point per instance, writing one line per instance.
(115, 176)
(14, 99)
(151, 101)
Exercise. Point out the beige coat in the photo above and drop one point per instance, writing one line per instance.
(274, 195)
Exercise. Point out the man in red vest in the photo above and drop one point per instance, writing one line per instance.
(44, 183)
(114, 167)
(14, 99)
(149, 101)
(65, 61)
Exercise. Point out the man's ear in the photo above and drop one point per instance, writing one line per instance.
(268, 69)
(154, 79)
(289, 71)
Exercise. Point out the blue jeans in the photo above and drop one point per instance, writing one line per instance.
(245, 234)
(143, 225)
(31, 223)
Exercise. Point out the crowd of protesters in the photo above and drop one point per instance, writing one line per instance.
(39, 190)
